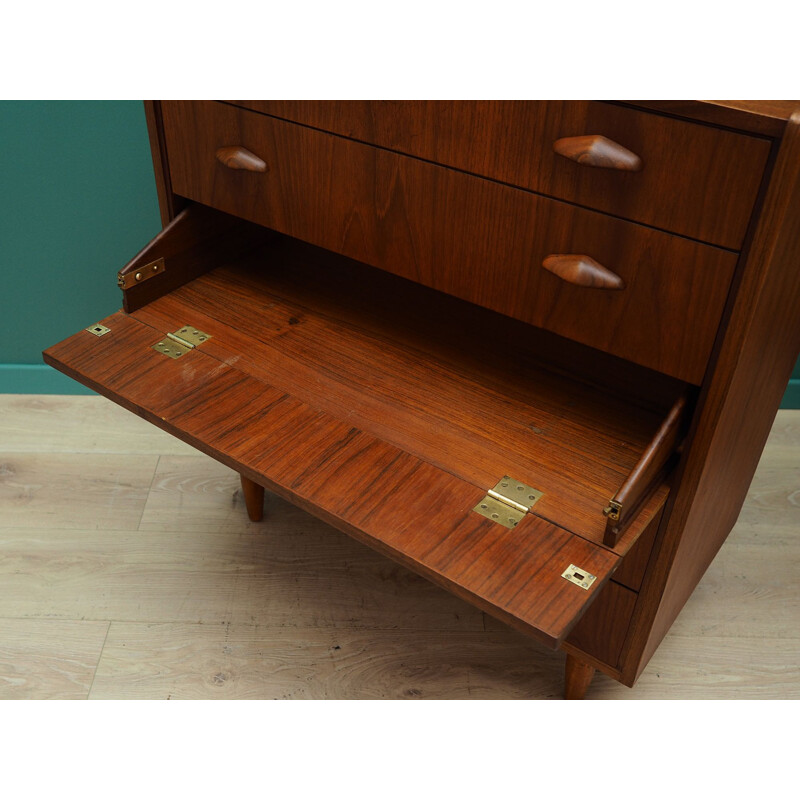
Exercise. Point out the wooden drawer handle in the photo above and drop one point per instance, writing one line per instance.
(597, 151)
(583, 271)
(239, 158)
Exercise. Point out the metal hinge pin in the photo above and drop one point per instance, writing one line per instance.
(503, 503)
(181, 341)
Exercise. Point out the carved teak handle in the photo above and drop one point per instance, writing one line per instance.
(583, 271)
(597, 151)
(240, 158)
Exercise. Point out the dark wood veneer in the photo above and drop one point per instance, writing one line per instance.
(601, 631)
(695, 180)
(192, 243)
(655, 462)
(168, 203)
(735, 413)
(478, 240)
(275, 317)
(764, 117)
(388, 408)
(389, 499)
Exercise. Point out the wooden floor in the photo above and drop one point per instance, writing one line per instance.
(128, 569)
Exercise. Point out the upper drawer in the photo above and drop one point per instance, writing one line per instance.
(694, 180)
(472, 238)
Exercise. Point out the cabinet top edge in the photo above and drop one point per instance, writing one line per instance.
(763, 117)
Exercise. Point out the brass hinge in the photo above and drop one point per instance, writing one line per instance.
(508, 502)
(181, 342)
(613, 510)
(128, 279)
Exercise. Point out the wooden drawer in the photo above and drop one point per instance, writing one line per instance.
(334, 385)
(602, 630)
(694, 180)
(472, 238)
(631, 571)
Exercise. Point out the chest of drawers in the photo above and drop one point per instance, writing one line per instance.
(531, 350)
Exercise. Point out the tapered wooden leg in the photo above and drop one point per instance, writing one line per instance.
(577, 678)
(253, 499)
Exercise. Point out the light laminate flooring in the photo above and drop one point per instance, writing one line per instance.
(129, 569)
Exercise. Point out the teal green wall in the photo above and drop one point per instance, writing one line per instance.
(77, 200)
(792, 397)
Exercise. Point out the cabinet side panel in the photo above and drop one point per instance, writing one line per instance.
(167, 202)
(754, 365)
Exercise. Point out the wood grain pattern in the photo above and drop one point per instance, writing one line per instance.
(196, 493)
(656, 461)
(301, 590)
(77, 424)
(471, 238)
(698, 181)
(764, 117)
(736, 411)
(597, 151)
(657, 453)
(294, 571)
(240, 158)
(631, 571)
(583, 271)
(172, 662)
(602, 629)
(776, 490)
(350, 342)
(168, 204)
(38, 490)
(253, 498)
(191, 244)
(577, 677)
(748, 591)
(387, 215)
(301, 573)
(49, 659)
(321, 464)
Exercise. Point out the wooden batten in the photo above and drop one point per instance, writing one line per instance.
(650, 470)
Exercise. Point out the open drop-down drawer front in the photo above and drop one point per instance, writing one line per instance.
(388, 410)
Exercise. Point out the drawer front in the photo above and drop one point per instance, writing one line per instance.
(475, 239)
(602, 630)
(694, 180)
(631, 571)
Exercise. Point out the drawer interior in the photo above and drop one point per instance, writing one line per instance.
(389, 410)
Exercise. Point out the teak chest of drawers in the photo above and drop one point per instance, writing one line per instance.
(531, 350)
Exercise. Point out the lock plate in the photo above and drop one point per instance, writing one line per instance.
(580, 577)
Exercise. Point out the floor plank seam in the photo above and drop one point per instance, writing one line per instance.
(749, 649)
(147, 496)
(99, 659)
